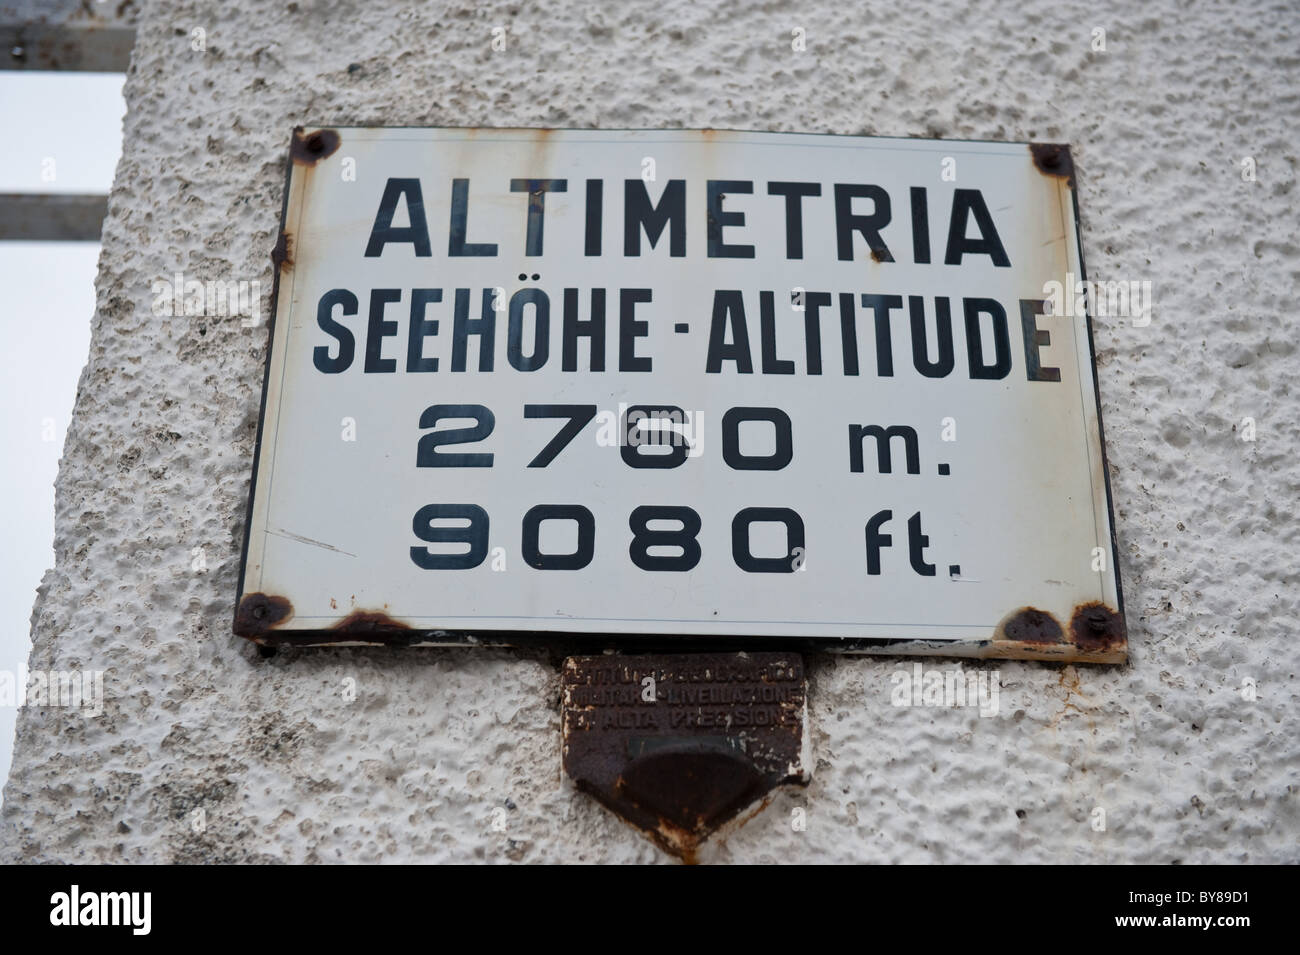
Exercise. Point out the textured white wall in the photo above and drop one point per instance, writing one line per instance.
(159, 453)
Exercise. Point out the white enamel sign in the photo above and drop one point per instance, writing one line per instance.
(669, 387)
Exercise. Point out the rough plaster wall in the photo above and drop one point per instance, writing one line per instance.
(159, 453)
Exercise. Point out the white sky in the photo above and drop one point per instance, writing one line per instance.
(74, 119)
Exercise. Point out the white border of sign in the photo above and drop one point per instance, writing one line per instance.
(1095, 634)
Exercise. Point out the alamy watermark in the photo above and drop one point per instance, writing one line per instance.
(946, 687)
(1117, 299)
(639, 426)
(129, 909)
(213, 298)
(76, 689)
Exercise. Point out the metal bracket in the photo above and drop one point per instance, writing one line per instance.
(681, 744)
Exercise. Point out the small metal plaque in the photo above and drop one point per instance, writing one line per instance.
(679, 744)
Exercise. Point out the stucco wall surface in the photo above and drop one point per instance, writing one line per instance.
(158, 457)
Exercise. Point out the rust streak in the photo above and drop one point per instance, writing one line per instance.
(1053, 159)
(282, 253)
(259, 613)
(1032, 625)
(369, 622)
(1095, 626)
(311, 149)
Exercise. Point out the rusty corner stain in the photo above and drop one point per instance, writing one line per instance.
(679, 783)
(1095, 626)
(1032, 625)
(1053, 159)
(311, 149)
(282, 253)
(369, 621)
(259, 613)
(691, 787)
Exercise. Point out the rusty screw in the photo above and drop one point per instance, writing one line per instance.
(1052, 159)
(259, 611)
(315, 143)
(1097, 620)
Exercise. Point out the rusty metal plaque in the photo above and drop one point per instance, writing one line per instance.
(680, 744)
(630, 388)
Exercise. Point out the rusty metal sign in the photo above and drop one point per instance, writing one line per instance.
(636, 388)
(681, 744)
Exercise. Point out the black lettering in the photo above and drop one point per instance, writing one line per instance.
(638, 213)
(1035, 338)
(426, 449)
(729, 309)
(717, 219)
(379, 329)
(767, 337)
(794, 536)
(847, 222)
(794, 193)
(782, 431)
(595, 209)
(858, 434)
(320, 355)
(630, 328)
(882, 305)
(813, 302)
(849, 333)
(592, 328)
(457, 244)
(643, 538)
(537, 190)
(531, 547)
(541, 329)
(917, 543)
(920, 226)
(967, 202)
(1001, 366)
(920, 348)
(578, 416)
(475, 535)
(463, 326)
(635, 437)
(876, 541)
(421, 328)
(383, 232)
